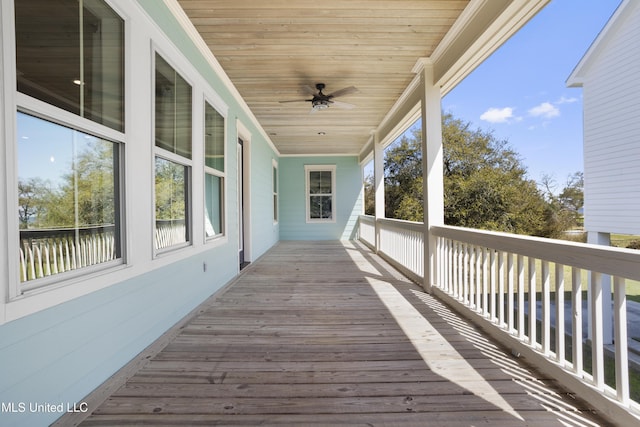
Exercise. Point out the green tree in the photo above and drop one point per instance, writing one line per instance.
(563, 209)
(84, 196)
(33, 196)
(403, 178)
(485, 182)
(572, 195)
(87, 193)
(170, 190)
(369, 196)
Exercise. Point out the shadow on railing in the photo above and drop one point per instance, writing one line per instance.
(530, 291)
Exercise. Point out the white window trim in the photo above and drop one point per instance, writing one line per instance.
(182, 161)
(78, 124)
(142, 35)
(276, 191)
(16, 102)
(324, 168)
(214, 102)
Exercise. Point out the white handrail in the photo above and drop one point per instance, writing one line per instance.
(505, 278)
(367, 230)
(400, 242)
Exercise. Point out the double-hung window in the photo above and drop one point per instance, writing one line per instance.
(173, 130)
(214, 138)
(70, 137)
(321, 193)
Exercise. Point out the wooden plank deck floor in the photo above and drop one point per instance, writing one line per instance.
(326, 333)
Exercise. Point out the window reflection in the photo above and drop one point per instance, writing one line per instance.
(214, 171)
(171, 203)
(68, 199)
(213, 205)
(214, 139)
(173, 110)
(70, 53)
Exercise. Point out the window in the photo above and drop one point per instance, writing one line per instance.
(275, 191)
(71, 54)
(321, 189)
(213, 172)
(173, 120)
(69, 58)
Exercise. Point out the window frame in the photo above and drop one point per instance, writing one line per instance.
(207, 170)
(17, 102)
(276, 189)
(307, 173)
(159, 152)
(142, 39)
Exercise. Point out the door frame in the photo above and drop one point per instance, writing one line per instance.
(245, 192)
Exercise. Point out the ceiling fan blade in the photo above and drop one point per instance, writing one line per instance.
(342, 92)
(295, 100)
(309, 90)
(343, 105)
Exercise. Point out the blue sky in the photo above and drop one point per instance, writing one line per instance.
(520, 92)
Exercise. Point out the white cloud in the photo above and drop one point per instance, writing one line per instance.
(497, 115)
(546, 110)
(564, 100)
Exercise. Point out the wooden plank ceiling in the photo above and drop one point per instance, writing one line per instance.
(272, 49)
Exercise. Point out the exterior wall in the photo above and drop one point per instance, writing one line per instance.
(349, 199)
(59, 343)
(264, 233)
(612, 129)
(61, 354)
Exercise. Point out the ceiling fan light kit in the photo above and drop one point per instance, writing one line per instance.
(321, 101)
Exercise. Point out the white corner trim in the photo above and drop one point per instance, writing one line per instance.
(576, 78)
(7, 163)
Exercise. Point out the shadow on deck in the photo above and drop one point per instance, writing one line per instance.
(326, 333)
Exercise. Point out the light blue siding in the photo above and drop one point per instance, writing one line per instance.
(61, 354)
(264, 233)
(349, 199)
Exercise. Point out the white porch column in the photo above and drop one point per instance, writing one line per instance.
(378, 177)
(432, 169)
(597, 238)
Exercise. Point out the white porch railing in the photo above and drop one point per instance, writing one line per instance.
(367, 230)
(516, 285)
(169, 233)
(48, 252)
(400, 242)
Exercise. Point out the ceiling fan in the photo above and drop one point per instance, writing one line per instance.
(320, 101)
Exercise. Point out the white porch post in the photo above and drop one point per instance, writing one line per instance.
(432, 169)
(597, 238)
(378, 177)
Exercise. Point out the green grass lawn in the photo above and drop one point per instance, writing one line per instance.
(632, 286)
(623, 241)
(609, 361)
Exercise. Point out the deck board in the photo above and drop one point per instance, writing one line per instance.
(303, 338)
